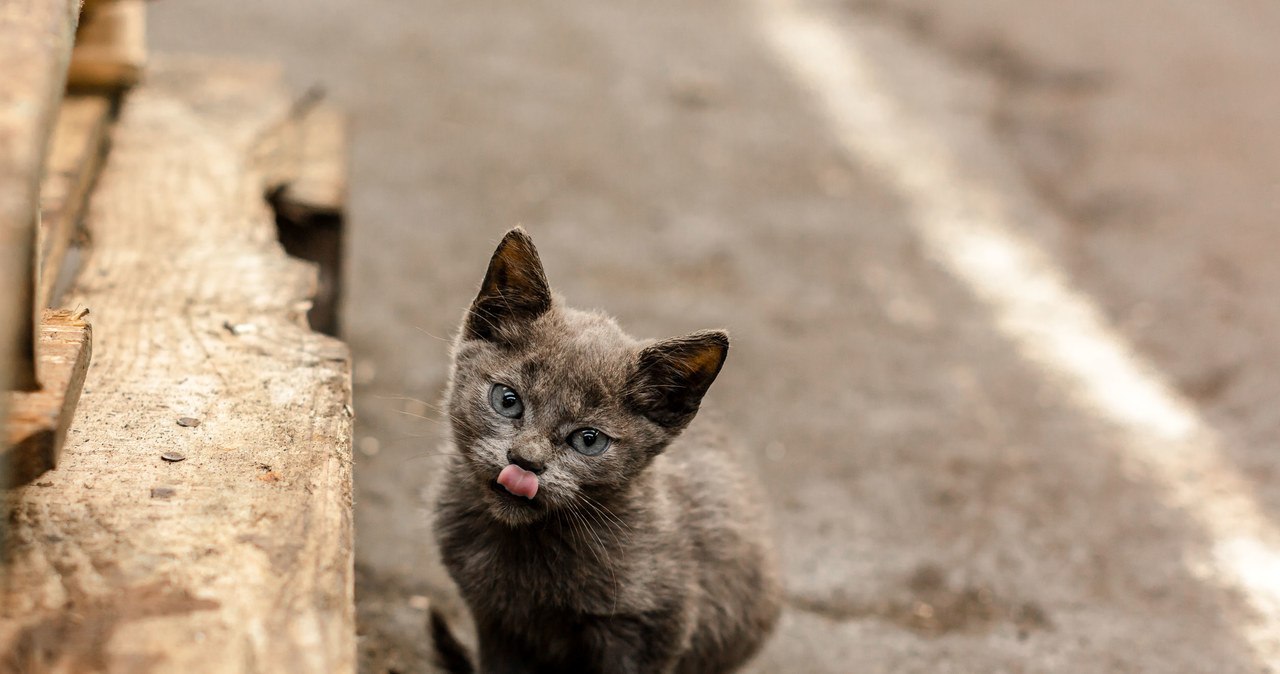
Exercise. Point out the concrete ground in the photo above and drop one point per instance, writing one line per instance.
(1000, 276)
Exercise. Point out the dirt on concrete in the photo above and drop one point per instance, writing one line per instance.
(941, 503)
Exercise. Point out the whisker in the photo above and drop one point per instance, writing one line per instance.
(423, 417)
(431, 419)
(429, 334)
(605, 510)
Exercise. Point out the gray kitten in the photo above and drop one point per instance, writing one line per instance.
(588, 525)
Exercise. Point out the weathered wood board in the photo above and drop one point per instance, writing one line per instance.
(111, 46)
(239, 557)
(75, 156)
(35, 45)
(305, 159)
(38, 420)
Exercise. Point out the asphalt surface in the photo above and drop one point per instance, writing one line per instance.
(1062, 457)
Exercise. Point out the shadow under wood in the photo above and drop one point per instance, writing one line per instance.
(28, 460)
(316, 236)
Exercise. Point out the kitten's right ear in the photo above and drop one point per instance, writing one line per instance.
(515, 289)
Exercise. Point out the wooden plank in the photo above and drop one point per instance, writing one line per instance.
(38, 420)
(111, 46)
(75, 156)
(35, 45)
(238, 558)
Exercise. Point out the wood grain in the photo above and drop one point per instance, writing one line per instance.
(238, 558)
(75, 156)
(35, 45)
(38, 420)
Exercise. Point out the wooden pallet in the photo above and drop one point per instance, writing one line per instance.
(200, 517)
(242, 551)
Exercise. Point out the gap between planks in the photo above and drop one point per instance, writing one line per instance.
(75, 156)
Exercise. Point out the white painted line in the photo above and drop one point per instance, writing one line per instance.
(964, 225)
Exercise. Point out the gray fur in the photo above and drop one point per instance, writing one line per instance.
(650, 557)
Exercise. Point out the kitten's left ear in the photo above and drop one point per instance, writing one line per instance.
(672, 376)
(514, 289)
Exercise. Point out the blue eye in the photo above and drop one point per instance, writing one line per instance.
(505, 401)
(588, 441)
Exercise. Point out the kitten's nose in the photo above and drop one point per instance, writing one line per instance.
(535, 467)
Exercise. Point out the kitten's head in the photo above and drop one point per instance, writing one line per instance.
(550, 405)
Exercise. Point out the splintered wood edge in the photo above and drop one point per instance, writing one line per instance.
(75, 157)
(111, 46)
(303, 159)
(38, 420)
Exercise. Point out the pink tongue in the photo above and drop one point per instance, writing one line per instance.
(518, 481)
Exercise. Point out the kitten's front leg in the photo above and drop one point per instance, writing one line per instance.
(502, 663)
(497, 656)
(640, 644)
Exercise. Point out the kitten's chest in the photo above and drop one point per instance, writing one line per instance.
(528, 575)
